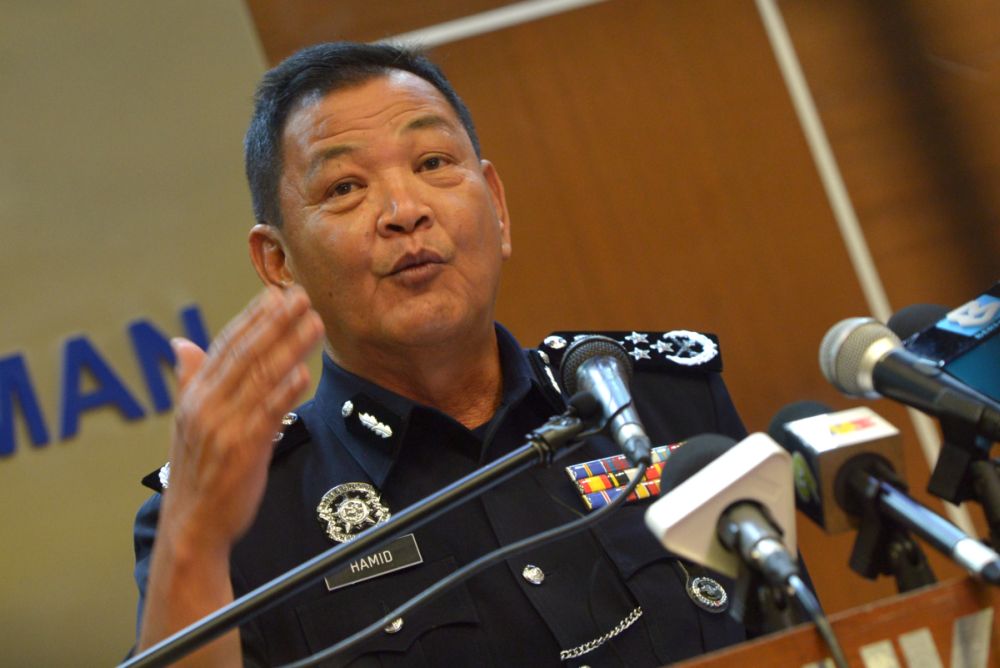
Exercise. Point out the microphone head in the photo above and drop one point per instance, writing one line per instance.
(914, 318)
(799, 410)
(823, 443)
(698, 452)
(849, 351)
(684, 519)
(585, 349)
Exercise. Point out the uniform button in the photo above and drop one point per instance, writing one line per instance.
(395, 626)
(533, 574)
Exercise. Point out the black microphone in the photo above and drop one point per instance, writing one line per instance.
(914, 318)
(724, 503)
(861, 357)
(600, 365)
(843, 459)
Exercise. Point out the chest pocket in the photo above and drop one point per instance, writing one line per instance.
(677, 627)
(430, 635)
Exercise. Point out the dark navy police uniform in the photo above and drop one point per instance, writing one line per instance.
(523, 612)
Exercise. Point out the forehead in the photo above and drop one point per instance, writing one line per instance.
(383, 102)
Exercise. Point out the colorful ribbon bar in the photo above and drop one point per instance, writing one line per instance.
(600, 481)
(613, 464)
(644, 490)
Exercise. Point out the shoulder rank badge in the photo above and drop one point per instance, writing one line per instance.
(678, 348)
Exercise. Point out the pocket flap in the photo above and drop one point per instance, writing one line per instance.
(331, 618)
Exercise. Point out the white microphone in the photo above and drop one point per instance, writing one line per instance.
(600, 365)
(737, 507)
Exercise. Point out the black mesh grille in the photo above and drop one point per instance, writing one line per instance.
(586, 348)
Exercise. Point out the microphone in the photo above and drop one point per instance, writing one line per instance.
(599, 365)
(821, 443)
(914, 318)
(845, 463)
(725, 504)
(863, 358)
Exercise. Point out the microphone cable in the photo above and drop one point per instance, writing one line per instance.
(472, 568)
(810, 604)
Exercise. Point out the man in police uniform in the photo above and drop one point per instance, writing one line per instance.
(382, 232)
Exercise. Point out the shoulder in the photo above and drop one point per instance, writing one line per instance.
(674, 350)
(676, 385)
(292, 434)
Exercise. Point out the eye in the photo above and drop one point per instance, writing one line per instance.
(432, 163)
(343, 188)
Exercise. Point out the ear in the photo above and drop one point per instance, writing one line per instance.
(267, 252)
(499, 204)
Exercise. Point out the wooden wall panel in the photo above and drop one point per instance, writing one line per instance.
(913, 132)
(658, 179)
(285, 27)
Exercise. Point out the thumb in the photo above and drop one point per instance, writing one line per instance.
(189, 359)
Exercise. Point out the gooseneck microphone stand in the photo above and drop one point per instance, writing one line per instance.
(554, 439)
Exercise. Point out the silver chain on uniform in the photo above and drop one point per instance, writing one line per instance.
(591, 645)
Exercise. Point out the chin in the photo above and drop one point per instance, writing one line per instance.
(437, 327)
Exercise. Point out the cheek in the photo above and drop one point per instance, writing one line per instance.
(330, 261)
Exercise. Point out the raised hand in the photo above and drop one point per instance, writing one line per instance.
(230, 403)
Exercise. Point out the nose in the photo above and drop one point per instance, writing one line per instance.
(403, 209)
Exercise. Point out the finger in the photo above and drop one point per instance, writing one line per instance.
(265, 331)
(264, 379)
(248, 318)
(282, 398)
(189, 359)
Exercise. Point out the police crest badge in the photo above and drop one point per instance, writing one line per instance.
(350, 508)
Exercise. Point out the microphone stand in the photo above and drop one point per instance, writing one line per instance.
(882, 546)
(964, 471)
(761, 606)
(547, 443)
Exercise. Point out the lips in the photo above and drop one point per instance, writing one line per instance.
(413, 260)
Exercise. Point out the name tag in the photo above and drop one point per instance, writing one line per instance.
(397, 555)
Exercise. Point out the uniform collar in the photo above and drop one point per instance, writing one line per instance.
(372, 422)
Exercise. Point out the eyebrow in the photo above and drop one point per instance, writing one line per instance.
(326, 155)
(428, 121)
(419, 123)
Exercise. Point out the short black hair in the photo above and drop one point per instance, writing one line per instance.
(318, 70)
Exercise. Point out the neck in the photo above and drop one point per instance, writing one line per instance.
(462, 380)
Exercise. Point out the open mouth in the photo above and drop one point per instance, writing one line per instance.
(414, 263)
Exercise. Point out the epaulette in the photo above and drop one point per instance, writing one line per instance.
(293, 432)
(650, 351)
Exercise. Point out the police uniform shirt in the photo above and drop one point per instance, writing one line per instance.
(577, 590)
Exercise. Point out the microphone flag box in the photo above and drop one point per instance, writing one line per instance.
(685, 519)
(966, 343)
(822, 444)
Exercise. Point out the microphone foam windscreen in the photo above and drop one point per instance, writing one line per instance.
(909, 320)
(799, 410)
(697, 453)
